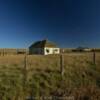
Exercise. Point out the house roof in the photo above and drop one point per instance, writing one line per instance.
(42, 44)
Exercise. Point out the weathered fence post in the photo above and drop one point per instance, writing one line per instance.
(94, 57)
(3, 52)
(24, 75)
(61, 65)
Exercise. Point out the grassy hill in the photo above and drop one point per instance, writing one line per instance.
(39, 76)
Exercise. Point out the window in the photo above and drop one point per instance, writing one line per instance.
(47, 50)
(55, 50)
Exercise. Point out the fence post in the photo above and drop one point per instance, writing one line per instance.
(94, 57)
(61, 65)
(24, 75)
(3, 52)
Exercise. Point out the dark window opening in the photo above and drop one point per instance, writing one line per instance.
(55, 50)
(47, 50)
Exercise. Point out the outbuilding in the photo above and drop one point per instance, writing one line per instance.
(44, 47)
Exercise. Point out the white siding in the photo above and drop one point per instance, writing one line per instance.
(48, 51)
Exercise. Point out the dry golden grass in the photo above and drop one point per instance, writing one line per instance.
(81, 78)
(50, 61)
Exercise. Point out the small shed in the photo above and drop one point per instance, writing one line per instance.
(44, 47)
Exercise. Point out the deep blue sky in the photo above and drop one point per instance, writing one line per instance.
(69, 23)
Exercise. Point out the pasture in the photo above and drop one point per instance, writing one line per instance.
(38, 76)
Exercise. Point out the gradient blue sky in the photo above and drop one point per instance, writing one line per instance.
(69, 23)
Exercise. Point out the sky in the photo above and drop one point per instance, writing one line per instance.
(68, 23)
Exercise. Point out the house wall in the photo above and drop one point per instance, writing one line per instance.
(36, 51)
(44, 51)
(87, 50)
(51, 51)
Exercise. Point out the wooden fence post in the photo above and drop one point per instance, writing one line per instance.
(3, 52)
(61, 65)
(94, 57)
(24, 75)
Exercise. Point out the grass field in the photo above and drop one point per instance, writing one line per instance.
(39, 76)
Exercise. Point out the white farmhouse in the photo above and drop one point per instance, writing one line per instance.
(44, 47)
